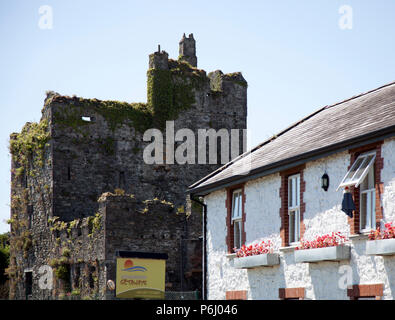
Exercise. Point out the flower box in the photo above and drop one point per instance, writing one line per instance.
(335, 253)
(381, 247)
(259, 260)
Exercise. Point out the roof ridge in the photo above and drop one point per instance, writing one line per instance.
(260, 145)
(361, 94)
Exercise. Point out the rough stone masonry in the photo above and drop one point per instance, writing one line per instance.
(80, 189)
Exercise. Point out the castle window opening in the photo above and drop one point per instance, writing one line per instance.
(87, 119)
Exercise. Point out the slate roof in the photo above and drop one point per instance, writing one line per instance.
(333, 128)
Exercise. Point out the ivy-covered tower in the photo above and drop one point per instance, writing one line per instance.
(81, 191)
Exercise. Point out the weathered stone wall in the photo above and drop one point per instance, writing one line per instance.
(31, 202)
(152, 226)
(90, 158)
(62, 165)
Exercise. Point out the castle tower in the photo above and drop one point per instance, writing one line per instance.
(159, 60)
(74, 173)
(187, 50)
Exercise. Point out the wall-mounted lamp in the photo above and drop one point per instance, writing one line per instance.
(325, 182)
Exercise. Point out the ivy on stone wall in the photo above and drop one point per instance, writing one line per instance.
(28, 147)
(172, 91)
(116, 113)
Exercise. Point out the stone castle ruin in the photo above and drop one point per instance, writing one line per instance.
(80, 190)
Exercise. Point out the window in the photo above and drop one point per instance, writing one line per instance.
(86, 119)
(294, 208)
(358, 170)
(237, 207)
(361, 174)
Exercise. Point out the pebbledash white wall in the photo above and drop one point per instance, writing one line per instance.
(323, 280)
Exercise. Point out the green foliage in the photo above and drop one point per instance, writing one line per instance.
(4, 240)
(172, 91)
(119, 192)
(63, 272)
(180, 210)
(53, 219)
(94, 223)
(116, 113)
(19, 171)
(30, 145)
(57, 225)
(4, 256)
(168, 93)
(76, 292)
(66, 252)
(159, 93)
(71, 117)
(236, 77)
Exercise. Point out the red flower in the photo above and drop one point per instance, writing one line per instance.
(327, 240)
(387, 233)
(254, 249)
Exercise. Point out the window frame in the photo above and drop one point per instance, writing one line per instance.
(368, 217)
(240, 204)
(237, 219)
(355, 181)
(293, 208)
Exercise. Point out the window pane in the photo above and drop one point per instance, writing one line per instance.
(297, 196)
(368, 210)
(293, 191)
(291, 227)
(240, 198)
(370, 178)
(373, 209)
(297, 226)
(354, 168)
(358, 171)
(236, 209)
(362, 167)
(363, 210)
(237, 234)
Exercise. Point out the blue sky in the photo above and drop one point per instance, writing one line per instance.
(293, 54)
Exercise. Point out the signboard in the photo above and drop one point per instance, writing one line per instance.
(140, 278)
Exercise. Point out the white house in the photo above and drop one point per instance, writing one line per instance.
(275, 192)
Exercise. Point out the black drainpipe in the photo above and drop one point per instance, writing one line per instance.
(204, 262)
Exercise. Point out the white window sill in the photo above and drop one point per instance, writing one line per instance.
(231, 255)
(289, 248)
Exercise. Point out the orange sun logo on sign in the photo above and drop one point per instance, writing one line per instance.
(130, 267)
(128, 264)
